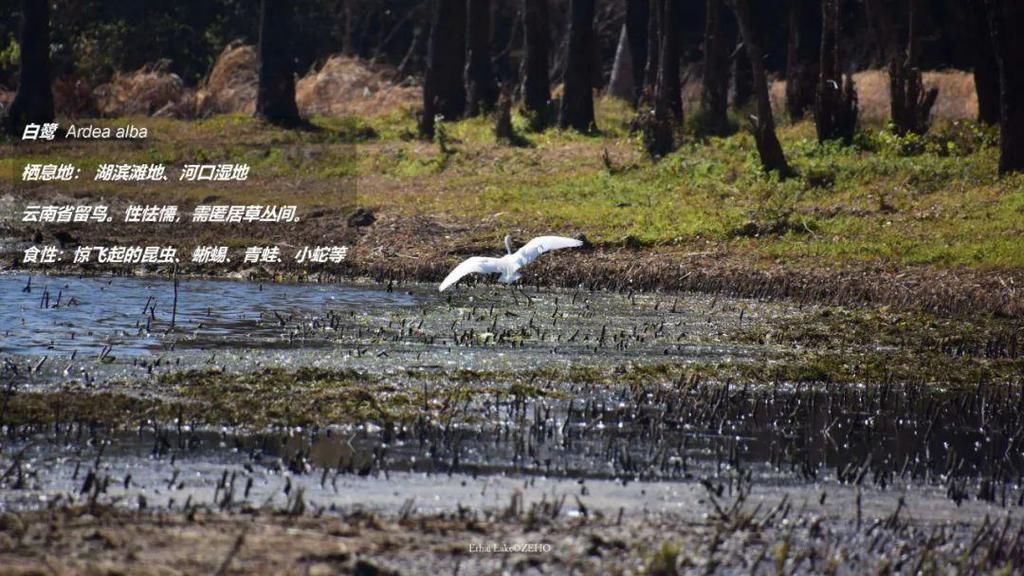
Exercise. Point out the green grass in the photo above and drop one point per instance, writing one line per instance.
(932, 201)
(274, 397)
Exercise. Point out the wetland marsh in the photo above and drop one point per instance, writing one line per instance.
(678, 416)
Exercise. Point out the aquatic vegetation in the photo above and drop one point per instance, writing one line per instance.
(690, 421)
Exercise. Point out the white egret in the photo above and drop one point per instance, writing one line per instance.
(508, 265)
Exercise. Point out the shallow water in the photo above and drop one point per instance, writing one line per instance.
(54, 315)
(90, 330)
(221, 472)
(620, 444)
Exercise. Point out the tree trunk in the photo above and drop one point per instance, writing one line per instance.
(804, 41)
(536, 83)
(910, 105)
(763, 124)
(1006, 17)
(637, 22)
(577, 109)
(621, 83)
(503, 131)
(481, 88)
(653, 49)
(835, 106)
(275, 96)
(668, 90)
(986, 69)
(347, 47)
(742, 78)
(403, 67)
(33, 104)
(443, 91)
(714, 97)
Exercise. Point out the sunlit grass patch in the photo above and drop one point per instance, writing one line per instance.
(933, 200)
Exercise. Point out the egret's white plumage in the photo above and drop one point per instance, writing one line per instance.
(508, 265)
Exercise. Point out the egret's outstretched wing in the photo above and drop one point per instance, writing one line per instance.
(474, 265)
(541, 244)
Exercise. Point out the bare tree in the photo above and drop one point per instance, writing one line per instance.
(620, 85)
(503, 130)
(637, 22)
(802, 46)
(668, 91)
(443, 91)
(481, 87)
(347, 46)
(275, 96)
(34, 101)
(762, 124)
(577, 108)
(835, 106)
(653, 48)
(986, 68)
(742, 78)
(1006, 18)
(714, 97)
(910, 103)
(536, 87)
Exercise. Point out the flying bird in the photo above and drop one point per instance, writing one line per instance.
(508, 265)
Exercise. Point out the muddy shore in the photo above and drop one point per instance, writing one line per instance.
(789, 537)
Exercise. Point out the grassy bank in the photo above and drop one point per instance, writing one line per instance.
(932, 201)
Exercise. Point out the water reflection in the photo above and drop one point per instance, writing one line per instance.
(63, 314)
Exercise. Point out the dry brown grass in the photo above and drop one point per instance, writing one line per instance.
(342, 86)
(957, 99)
(145, 91)
(231, 86)
(348, 86)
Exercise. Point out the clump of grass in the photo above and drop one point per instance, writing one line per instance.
(31, 409)
(775, 214)
(664, 561)
(441, 138)
(301, 398)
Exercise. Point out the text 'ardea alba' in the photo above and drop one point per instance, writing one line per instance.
(508, 265)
